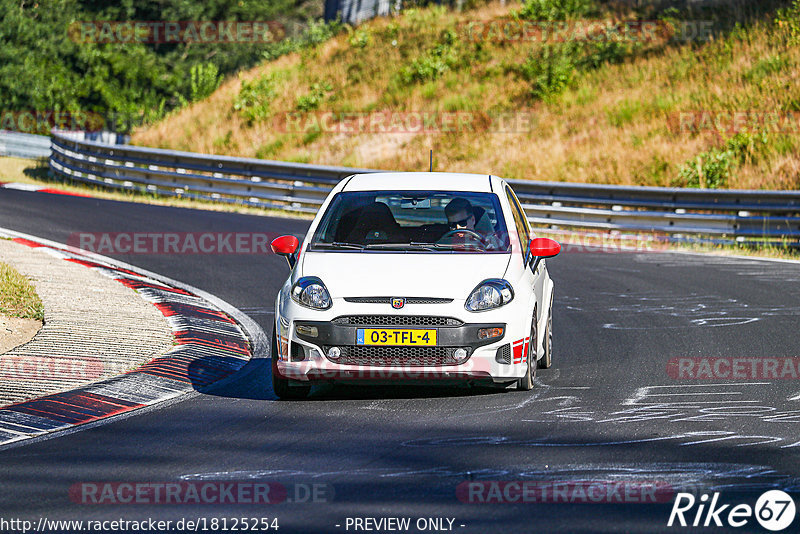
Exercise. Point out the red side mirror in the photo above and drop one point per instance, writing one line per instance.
(285, 245)
(542, 247)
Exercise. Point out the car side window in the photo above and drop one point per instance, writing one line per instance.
(520, 221)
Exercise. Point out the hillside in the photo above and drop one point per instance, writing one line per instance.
(649, 108)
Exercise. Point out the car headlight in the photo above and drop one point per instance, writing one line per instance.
(489, 294)
(310, 292)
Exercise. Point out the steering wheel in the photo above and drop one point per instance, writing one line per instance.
(469, 233)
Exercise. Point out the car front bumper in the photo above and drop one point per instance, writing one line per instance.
(305, 358)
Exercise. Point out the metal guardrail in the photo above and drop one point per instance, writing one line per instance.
(102, 136)
(21, 145)
(261, 183)
(302, 188)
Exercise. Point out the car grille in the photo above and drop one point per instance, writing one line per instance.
(388, 300)
(397, 356)
(397, 320)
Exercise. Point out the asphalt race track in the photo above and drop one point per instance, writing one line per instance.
(609, 409)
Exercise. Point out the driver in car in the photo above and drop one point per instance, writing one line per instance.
(461, 215)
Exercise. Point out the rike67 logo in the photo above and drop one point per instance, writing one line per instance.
(774, 510)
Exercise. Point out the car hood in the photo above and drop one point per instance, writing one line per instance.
(379, 274)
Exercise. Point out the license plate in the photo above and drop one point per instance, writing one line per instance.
(395, 336)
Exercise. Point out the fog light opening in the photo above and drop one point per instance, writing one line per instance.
(460, 355)
(298, 352)
(334, 353)
(309, 331)
(490, 333)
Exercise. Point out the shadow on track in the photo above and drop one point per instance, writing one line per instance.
(254, 382)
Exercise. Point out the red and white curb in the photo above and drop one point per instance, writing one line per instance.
(40, 189)
(213, 341)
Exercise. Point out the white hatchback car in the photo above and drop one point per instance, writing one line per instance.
(414, 277)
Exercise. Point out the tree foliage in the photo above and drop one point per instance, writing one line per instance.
(43, 67)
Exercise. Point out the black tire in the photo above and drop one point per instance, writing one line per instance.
(526, 382)
(547, 342)
(280, 385)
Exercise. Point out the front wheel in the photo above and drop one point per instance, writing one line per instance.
(526, 382)
(547, 359)
(281, 385)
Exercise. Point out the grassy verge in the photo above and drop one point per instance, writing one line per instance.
(34, 172)
(592, 240)
(755, 251)
(18, 298)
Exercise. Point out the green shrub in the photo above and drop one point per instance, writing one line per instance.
(550, 70)
(318, 32)
(434, 62)
(712, 169)
(205, 79)
(554, 9)
(359, 38)
(709, 170)
(601, 52)
(316, 96)
(788, 18)
(749, 147)
(429, 66)
(254, 98)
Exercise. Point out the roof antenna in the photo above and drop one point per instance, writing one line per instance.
(431, 160)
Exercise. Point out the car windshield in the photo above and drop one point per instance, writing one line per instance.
(432, 221)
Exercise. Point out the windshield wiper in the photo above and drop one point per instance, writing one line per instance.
(397, 246)
(338, 244)
(446, 246)
(426, 246)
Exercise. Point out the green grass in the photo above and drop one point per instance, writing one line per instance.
(18, 297)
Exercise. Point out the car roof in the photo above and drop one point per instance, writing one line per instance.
(419, 181)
